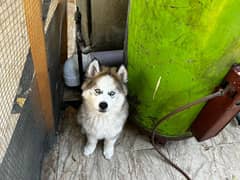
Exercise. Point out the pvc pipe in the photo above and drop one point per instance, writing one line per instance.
(108, 58)
(71, 68)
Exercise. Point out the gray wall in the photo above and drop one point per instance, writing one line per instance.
(103, 23)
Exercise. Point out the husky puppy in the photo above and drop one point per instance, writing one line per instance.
(104, 109)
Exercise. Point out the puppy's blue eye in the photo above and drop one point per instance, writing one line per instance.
(98, 91)
(112, 93)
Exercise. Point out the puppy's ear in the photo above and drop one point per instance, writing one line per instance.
(93, 69)
(122, 72)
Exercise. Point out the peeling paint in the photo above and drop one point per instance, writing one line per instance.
(157, 87)
(21, 101)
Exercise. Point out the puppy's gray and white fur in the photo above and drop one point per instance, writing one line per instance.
(105, 109)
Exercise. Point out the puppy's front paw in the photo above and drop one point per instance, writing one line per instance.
(88, 150)
(108, 153)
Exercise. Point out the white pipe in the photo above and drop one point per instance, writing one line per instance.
(108, 58)
(71, 68)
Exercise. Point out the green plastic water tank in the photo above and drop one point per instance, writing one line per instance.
(178, 51)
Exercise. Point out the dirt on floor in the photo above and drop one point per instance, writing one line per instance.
(135, 158)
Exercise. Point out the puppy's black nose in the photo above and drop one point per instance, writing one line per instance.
(103, 105)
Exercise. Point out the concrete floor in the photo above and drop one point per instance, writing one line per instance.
(135, 158)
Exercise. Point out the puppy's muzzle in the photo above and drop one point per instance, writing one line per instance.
(103, 106)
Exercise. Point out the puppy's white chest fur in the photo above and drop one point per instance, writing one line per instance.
(103, 125)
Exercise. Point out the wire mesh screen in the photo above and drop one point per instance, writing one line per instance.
(22, 128)
(22, 160)
(14, 48)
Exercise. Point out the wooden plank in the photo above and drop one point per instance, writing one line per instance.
(71, 94)
(64, 38)
(33, 14)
